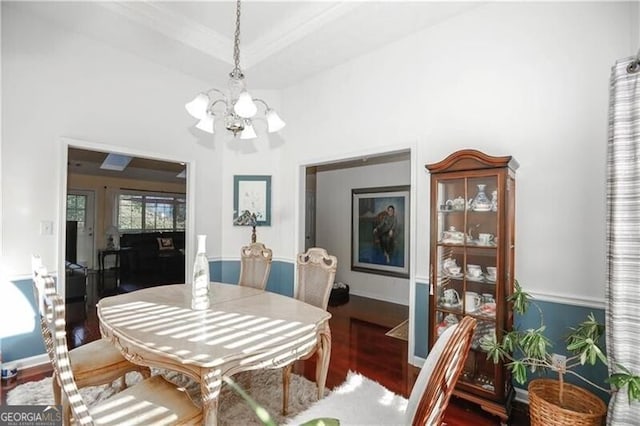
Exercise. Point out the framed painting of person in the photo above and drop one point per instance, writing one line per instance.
(380, 230)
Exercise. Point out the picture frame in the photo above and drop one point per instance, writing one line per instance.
(252, 193)
(380, 230)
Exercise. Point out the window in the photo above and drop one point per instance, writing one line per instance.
(76, 209)
(151, 212)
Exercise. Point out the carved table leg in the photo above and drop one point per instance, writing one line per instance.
(210, 389)
(286, 378)
(324, 355)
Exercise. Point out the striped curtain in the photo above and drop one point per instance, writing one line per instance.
(623, 233)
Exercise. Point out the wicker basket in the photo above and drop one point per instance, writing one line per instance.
(580, 407)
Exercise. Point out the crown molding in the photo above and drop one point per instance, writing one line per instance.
(293, 29)
(157, 17)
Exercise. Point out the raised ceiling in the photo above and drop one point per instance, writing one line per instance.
(86, 162)
(282, 43)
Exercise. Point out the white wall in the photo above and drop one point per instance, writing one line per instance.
(333, 225)
(525, 79)
(58, 83)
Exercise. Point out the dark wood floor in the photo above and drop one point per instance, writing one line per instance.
(359, 344)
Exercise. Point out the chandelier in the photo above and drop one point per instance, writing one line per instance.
(237, 107)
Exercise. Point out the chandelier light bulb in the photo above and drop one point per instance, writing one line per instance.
(244, 106)
(206, 123)
(248, 132)
(274, 122)
(197, 108)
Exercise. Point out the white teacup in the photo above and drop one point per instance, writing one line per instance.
(485, 239)
(474, 271)
(492, 271)
(488, 298)
(472, 301)
(454, 270)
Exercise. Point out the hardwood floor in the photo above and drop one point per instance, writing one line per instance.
(359, 344)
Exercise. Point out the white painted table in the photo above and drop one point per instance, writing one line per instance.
(244, 329)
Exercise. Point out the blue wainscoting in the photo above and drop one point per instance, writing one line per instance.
(24, 343)
(29, 343)
(280, 278)
(558, 318)
(421, 315)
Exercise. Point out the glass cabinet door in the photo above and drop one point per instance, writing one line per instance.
(467, 266)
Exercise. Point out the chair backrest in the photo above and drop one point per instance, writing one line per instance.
(439, 374)
(316, 272)
(255, 265)
(56, 339)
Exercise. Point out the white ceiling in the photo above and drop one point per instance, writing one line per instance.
(282, 43)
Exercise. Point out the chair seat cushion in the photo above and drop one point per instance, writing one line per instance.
(98, 355)
(358, 401)
(153, 401)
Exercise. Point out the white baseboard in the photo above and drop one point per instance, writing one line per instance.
(32, 361)
(522, 395)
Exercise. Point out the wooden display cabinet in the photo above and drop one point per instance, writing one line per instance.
(472, 242)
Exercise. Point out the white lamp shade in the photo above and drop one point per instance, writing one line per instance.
(244, 106)
(248, 132)
(197, 108)
(274, 122)
(206, 123)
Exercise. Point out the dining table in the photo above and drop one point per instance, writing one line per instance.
(243, 329)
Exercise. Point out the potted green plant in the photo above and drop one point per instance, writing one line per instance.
(555, 402)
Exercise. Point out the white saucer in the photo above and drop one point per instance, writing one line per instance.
(451, 305)
(482, 209)
(490, 280)
(479, 244)
(455, 276)
(479, 279)
(457, 242)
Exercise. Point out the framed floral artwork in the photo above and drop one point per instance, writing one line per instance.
(252, 194)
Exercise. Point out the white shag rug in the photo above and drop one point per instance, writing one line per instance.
(358, 401)
(265, 386)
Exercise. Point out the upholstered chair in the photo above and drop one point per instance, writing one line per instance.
(255, 265)
(152, 401)
(316, 273)
(94, 363)
(363, 401)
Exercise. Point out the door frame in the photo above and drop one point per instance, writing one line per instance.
(300, 217)
(66, 143)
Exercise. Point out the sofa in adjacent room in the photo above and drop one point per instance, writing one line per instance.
(151, 258)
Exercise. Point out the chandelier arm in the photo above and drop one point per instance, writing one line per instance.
(266, 105)
(218, 91)
(217, 101)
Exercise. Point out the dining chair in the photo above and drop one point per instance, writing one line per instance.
(375, 404)
(255, 265)
(316, 273)
(152, 401)
(94, 363)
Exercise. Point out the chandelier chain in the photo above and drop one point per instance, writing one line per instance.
(236, 43)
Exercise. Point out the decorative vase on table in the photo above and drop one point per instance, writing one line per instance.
(200, 284)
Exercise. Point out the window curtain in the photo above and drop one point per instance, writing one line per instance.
(623, 232)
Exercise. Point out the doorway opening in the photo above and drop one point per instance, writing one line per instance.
(328, 215)
(125, 225)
